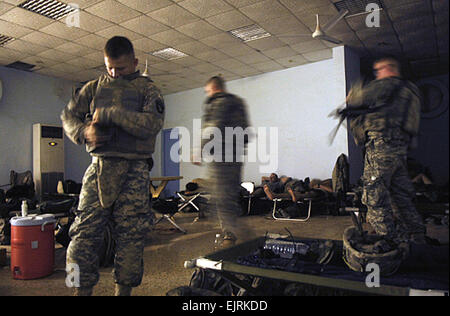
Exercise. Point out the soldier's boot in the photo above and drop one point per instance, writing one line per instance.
(122, 290)
(83, 291)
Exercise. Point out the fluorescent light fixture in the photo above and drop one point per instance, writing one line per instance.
(5, 39)
(49, 8)
(250, 33)
(169, 54)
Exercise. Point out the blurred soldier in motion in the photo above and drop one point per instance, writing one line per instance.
(117, 117)
(386, 124)
(224, 112)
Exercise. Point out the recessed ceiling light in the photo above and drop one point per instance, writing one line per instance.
(5, 39)
(169, 54)
(250, 33)
(49, 8)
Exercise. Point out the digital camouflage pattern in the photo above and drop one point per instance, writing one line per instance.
(130, 110)
(130, 216)
(116, 185)
(387, 129)
(223, 111)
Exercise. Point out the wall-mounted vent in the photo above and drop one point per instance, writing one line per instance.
(49, 8)
(169, 54)
(5, 39)
(250, 33)
(356, 7)
(21, 66)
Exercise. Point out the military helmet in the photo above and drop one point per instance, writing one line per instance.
(357, 258)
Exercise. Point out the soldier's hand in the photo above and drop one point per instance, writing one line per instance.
(93, 136)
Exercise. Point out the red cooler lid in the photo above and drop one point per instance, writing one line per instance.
(33, 220)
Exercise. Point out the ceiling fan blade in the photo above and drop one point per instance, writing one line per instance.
(330, 24)
(329, 39)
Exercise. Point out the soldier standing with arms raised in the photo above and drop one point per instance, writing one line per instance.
(118, 117)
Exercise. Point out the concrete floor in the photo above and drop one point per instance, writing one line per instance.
(167, 249)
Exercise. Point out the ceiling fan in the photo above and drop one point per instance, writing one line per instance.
(320, 32)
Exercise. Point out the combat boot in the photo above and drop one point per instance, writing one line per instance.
(122, 290)
(83, 291)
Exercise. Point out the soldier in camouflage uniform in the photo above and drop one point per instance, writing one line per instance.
(117, 117)
(386, 131)
(224, 111)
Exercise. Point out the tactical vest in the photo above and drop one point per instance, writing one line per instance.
(128, 95)
(394, 109)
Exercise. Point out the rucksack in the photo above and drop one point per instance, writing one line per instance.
(341, 177)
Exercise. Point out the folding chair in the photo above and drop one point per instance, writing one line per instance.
(188, 199)
(292, 219)
(250, 187)
(167, 208)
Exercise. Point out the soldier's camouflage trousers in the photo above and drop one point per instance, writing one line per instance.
(388, 192)
(125, 184)
(225, 180)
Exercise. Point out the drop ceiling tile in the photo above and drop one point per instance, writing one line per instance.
(319, 55)
(230, 20)
(49, 72)
(283, 25)
(92, 23)
(167, 66)
(410, 10)
(13, 30)
(237, 50)
(280, 52)
(171, 38)
(228, 63)
(147, 45)
(82, 4)
(242, 3)
(199, 29)
(117, 30)
(266, 43)
(55, 55)
(144, 25)
(206, 68)
(113, 11)
(11, 54)
(304, 5)
(252, 58)
(26, 18)
(84, 63)
(268, 66)
(293, 38)
(25, 47)
(245, 71)
(93, 41)
(420, 22)
(4, 7)
(173, 16)
(13, 2)
(397, 3)
(43, 39)
(40, 62)
(64, 68)
(192, 48)
(146, 6)
(97, 56)
(188, 61)
(309, 46)
(61, 30)
(205, 8)
(265, 10)
(220, 40)
(292, 61)
(75, 49)
(212, 55)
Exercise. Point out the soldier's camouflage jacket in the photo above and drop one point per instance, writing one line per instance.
(226, 113)
(130, 111)
(393, 106)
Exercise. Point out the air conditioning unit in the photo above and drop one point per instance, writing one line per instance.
(48, 158)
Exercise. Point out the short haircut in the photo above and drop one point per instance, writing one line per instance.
(217, 81)
(118, 46)
(393, 62)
